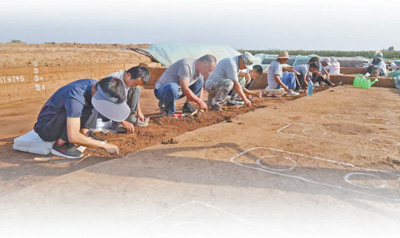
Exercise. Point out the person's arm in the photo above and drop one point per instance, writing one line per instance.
(130, 128)
(140, 115)
(246, 75)
(190, 95)
(255, 94)
(289, 70)
(239, 90)
(326, 75)
(74, 136)
(278, 81)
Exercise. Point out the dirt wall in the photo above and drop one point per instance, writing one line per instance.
(33, 71)
(352, 70)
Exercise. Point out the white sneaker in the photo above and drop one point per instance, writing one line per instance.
(316, 84)
(292, 93)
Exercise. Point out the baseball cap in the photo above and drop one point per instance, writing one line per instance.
(248, 60)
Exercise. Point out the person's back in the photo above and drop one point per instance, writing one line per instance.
(226, 68)
(274, 68)
(183, 68)
(334, 67)
(380, 66)
(68, 99)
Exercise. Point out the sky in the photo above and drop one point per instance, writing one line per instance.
(241, 24)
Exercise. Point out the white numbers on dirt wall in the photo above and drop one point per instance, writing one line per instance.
(12, 79)
(39, 86)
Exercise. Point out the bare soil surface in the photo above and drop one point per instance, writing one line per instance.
(326, 164)
(18, 169)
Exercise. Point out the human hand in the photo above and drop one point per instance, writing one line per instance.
(285, 87)
(140, 116)
(259, 94)
(203, 106)
(112, 149)
(247, 102)
(128, 126)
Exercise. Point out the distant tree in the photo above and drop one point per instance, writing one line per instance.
(16, 41)
(391, 48)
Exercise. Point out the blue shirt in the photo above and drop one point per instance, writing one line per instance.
(70, 100)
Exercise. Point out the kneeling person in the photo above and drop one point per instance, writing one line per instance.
(69, 113)
(280, 77)
(246, 77)
(132, 79)
(225, 77)
(183, 78)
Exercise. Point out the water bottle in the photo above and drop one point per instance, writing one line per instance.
(310, 88)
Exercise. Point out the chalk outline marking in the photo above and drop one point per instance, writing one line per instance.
(232, 159)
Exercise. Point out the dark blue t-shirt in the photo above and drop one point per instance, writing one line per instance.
(70, 100)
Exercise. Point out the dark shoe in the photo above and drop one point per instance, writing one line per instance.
(91, 134)
(118, 127)
(168, 114)
(187, 108)
(66, 150)
(215, 107)
(229, 103)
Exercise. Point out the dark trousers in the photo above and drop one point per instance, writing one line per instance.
(56, 127)
(318, 79)
(301, 81)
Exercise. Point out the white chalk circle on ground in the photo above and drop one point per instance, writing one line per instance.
(275, 169)
(336, 116)
(35, 63)
(382, 184)
(387, 142)
(36, 78)
(35, 70)
(313, 131)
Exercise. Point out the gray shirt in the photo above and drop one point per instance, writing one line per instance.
(120, 75)
(227, 68)
(275, 68)
(184, 68)
(302, 68)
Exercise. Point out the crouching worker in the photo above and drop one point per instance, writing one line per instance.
(132, 79)
(279, 81)
(246, 77)
(69, 113)
(225, 77)
(183, 78)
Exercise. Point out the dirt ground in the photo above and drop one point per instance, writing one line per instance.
(325, 166)
(340, 146)
(18, 169)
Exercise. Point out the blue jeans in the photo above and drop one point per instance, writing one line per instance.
(168, 93)
(289, 80)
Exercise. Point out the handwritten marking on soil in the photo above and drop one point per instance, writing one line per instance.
(383, 185)
(232, 159)
(388, 142)
(281, 170)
